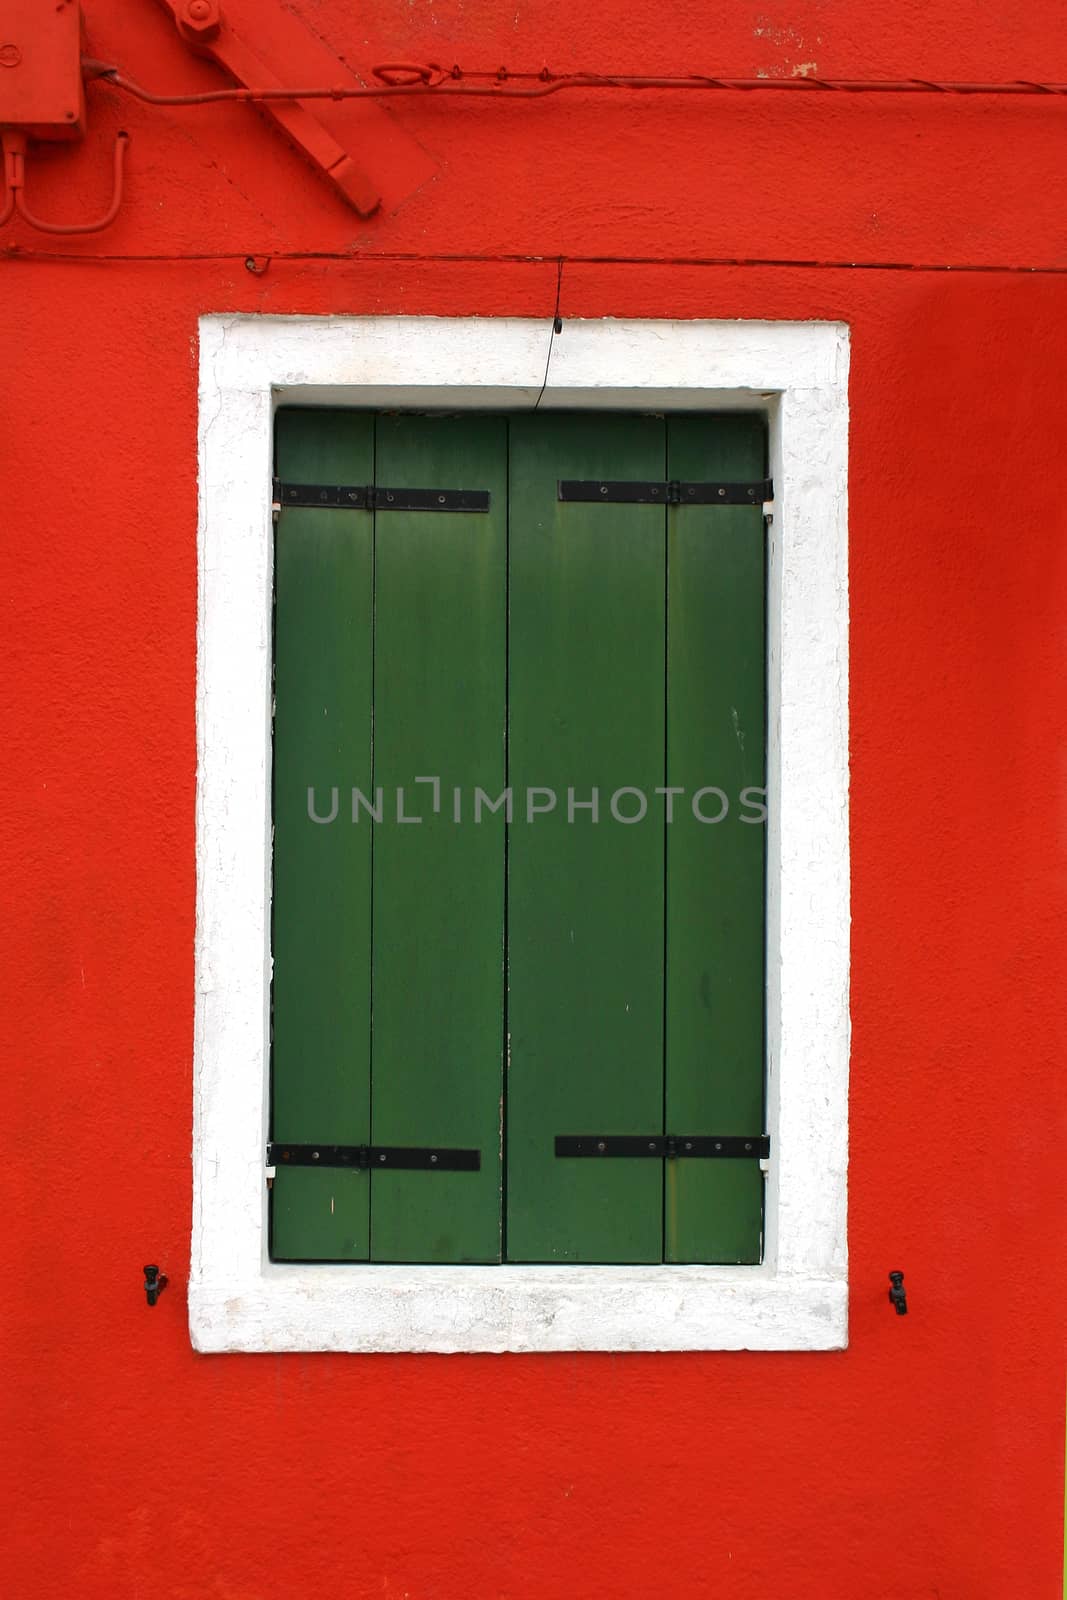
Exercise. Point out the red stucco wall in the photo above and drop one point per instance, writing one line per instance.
(924, 1461)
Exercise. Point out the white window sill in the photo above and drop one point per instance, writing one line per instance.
(450, 1309)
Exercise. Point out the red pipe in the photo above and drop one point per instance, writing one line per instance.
(14, 149)
(14, 145)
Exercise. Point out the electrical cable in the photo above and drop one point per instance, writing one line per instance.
(370, 258)
(557, 327)
(432, 81)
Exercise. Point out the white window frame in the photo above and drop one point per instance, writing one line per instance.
(796, 373)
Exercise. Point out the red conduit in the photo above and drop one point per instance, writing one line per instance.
(14, 150)
(14, 147)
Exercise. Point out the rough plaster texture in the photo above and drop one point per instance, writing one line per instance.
(925, 1459)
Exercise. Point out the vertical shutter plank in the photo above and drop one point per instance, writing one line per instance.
(585, 900)
(715, 871)
(321, 877)
(437, 1026)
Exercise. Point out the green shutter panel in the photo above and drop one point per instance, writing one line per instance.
(716, 717)
(623, 646)
(321, 879)
(438, 956)
(585, 899)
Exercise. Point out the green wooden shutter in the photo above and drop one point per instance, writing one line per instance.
(585, 899)
(438, 1003)
(635, 950)
(321, 890)
(556, 648)
(388, 938)
(716, 716)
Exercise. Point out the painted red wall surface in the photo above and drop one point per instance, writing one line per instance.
(925, 1460)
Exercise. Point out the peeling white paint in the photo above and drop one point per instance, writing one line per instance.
(798, 373)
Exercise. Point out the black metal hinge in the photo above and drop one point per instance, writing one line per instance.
(369, 497)
(407, 1158)
(665, 1146)
(612, 492)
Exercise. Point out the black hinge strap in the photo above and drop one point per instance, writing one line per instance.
(409, 1158)
(372, 497)
(665, 1146)
(612, 492)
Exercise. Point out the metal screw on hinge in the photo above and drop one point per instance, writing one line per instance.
(897, 1297)
(154, 1284)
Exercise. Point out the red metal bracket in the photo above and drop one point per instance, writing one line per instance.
(203, 27)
